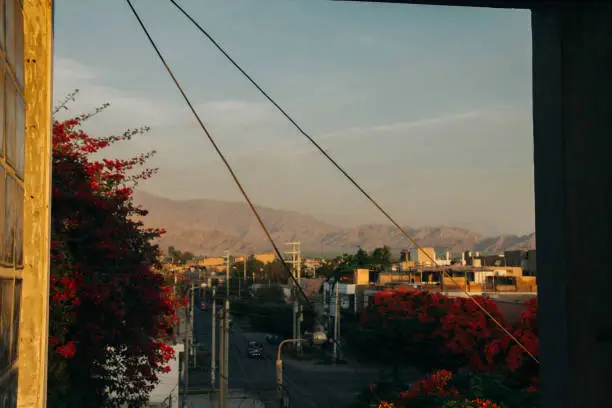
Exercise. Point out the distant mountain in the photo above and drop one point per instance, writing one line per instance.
(208, 227)
(505, 242)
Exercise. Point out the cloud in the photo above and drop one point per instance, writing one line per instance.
(235, 112)
(297, 144)
(67, 69)
(401, 126)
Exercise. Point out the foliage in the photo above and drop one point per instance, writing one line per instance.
(254, 268)
(430, 330)
(361, 259)
(274, 272)
(178, 257)
(443, 389)
(379, 259)
(452, 332)
(111, 312)
(268, 312)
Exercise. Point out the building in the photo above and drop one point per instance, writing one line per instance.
(422, 256)
(525, 259)
(25, 165)
(265, 258)
(214, 264)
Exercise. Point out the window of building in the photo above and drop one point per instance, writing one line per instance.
(12, 150)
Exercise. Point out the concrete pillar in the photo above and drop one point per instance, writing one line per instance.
(572, 107)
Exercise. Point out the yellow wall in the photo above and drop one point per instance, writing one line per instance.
(212, 262)
(266, 258)
(361, 276)
(423, 256)
(33, 322)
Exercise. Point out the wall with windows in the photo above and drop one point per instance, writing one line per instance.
(12, 148)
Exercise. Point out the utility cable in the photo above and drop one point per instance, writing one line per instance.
(348, 177)
(217, 149)
(220, 153)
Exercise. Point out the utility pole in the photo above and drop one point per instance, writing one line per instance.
(226, 338)
(336, 321)
(222, 375)
(213, 348)
(225, 330)
(244, 273)
(296, 261)
(193, 323)
(185, 361)
(227, 274)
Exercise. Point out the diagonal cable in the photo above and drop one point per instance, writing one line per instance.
(349, 178)
(218, 150)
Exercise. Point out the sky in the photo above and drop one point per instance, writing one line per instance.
(428, 107)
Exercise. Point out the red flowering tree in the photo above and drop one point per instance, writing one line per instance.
(431, 331)
(523, 370)
(499, 371)
(111, 312)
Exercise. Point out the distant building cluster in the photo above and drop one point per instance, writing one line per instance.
(506, 277)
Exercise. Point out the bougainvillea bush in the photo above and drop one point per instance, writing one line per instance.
(488, 368)
(444, 389)
(433, 331)
(111, 312)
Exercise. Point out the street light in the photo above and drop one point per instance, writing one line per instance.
(318, 337)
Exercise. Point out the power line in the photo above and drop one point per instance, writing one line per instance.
(348, 176)
(216, 147)
(220, 153)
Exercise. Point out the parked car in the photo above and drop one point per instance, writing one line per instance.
(255, 350)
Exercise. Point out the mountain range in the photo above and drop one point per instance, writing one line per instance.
(208, 227)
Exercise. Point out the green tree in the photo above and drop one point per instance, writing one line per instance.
(361, 259)
(178, 257)
(254, 268)
(381, 257)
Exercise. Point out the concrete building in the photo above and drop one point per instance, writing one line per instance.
(422, 256)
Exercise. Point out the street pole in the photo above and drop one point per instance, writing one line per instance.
(213, 348)
(244, 273)
(227, 273)
(222, 395)
(336, 321)
(317, 338)
(279, 371)
(299, 318)
(193, 323)
(185, 362)
(226, 313)
(226, 338)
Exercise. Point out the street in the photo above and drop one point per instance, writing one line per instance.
(308, 385)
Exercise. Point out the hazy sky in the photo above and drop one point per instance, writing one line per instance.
(429, 107)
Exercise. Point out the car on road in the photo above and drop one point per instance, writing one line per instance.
(273, 339)
(203, 306)
(255, 349)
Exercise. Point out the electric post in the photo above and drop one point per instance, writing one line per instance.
(222, 377)
(226, 338)
(296, 260)
(336, 319)
(213, 348)
(193, 345)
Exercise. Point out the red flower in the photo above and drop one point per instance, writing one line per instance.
(68, 350)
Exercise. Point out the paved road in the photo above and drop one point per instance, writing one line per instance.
(308, 385)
